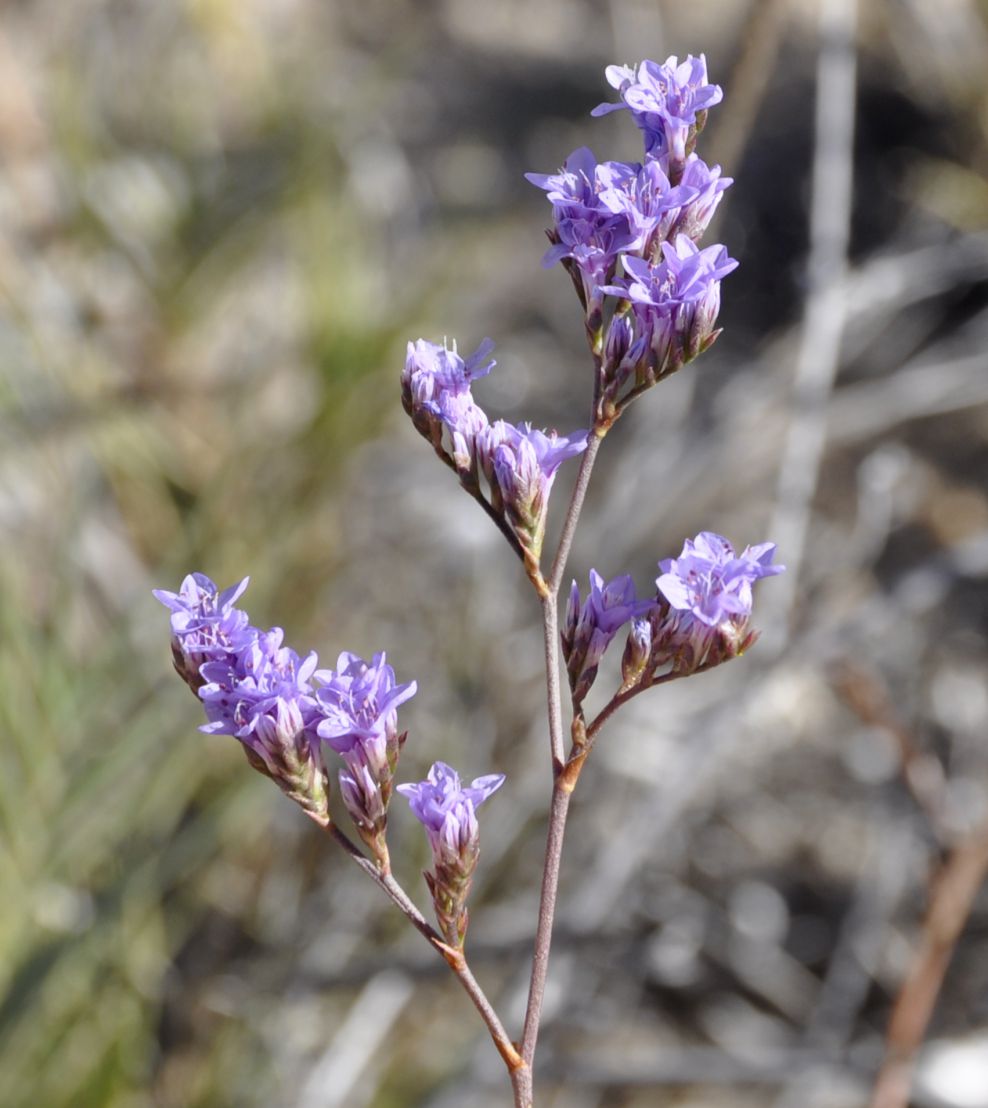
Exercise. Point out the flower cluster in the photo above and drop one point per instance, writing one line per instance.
(517, 462)
(448, 811)
(668, 102)
(698, 617)
(648, 216)
(206, 627)
(251, 687)
(704, 610)
(285, 712)
(435, 392)
(282, 709)
(358, 717)
(590, 626)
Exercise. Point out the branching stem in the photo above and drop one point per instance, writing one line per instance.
(453, 956)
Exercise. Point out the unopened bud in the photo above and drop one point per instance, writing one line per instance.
(637, 652)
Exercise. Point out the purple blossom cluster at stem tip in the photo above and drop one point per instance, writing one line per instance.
(285, 711)
(698, 617)
(448, 812)
(517, 462)
(629, 231)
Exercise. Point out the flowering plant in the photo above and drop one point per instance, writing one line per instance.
(628, 235)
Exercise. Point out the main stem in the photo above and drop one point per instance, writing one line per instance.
(565, 775)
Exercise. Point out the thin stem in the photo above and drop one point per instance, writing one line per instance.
(565, 774)
(622, 698)
(454, 957)
(550, 633)
(475, 491)
(561, 793)
(594, 440)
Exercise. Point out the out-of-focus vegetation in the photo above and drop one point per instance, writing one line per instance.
(219, 222)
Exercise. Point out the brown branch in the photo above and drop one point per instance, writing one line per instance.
(454, 958)
(954, 889)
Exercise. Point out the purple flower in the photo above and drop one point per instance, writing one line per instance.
(448, 811)
(590, 627)
(701, 616)
(520, 463)
(686, 274)
(205, 624)
(675, 301)
(707, 187)
(431, 370)
(587, 234)
(358, 702)
(651, 205)
(357, 715)
(668, 103)
(574, 189)
(263, 697)
(435, 391)
(711, 582)
(251, 687)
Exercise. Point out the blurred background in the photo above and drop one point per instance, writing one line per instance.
(220, 221)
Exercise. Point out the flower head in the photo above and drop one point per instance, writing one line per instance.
(588, 234)
(667, 102)
(263, 697)
(706, 187)
(520, 463)
(251, 687)
(432, 370)
(651, 205)
(435, 391)
(675, 301)
(357, 715)
(358, 702)
(711, 582)
(701, 614)
(206, 627)
(590, 627)
(448, 811)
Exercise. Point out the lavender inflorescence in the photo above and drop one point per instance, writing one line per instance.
(283, 709)
(649, 216)
(628, 235)
(448, 812)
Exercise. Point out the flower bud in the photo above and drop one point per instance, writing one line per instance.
(637, 652)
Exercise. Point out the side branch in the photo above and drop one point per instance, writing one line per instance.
(953, 895)
(454, 958)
